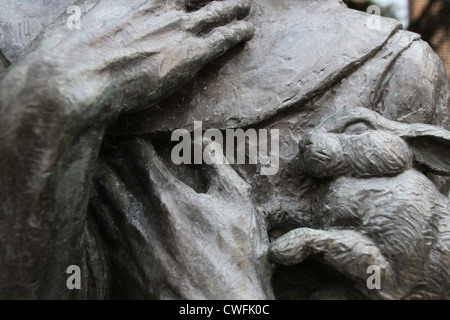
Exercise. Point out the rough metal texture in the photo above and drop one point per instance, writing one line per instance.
(55, 107)
(173, 242)
(276, 71)
(142, 227)
(371, 207)
(22, 20)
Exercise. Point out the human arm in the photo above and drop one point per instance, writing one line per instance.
(56, 102)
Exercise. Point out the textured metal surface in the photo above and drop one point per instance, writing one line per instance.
(87, 179)
(376, 209)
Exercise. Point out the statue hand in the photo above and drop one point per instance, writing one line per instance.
(133, 53)
(347, 251)
(56, 101)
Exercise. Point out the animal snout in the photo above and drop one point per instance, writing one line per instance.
(321, 154)
(306, 141)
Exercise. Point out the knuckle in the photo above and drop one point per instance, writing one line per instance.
(187, 22)
(221, 36)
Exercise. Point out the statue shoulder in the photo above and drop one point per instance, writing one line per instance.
(415, 88)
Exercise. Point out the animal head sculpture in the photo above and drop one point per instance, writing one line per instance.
(361, 143)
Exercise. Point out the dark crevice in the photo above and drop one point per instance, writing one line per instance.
(4, 60)
(312, 279)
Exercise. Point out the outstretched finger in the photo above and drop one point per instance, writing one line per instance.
(223, 38)
(217, 13)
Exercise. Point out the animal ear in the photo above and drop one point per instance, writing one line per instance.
(431, 147)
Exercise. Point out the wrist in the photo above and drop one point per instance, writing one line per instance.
(63, 92)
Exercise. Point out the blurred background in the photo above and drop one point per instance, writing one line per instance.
(429, 18)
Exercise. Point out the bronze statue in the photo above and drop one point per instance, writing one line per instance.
(87, 111)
